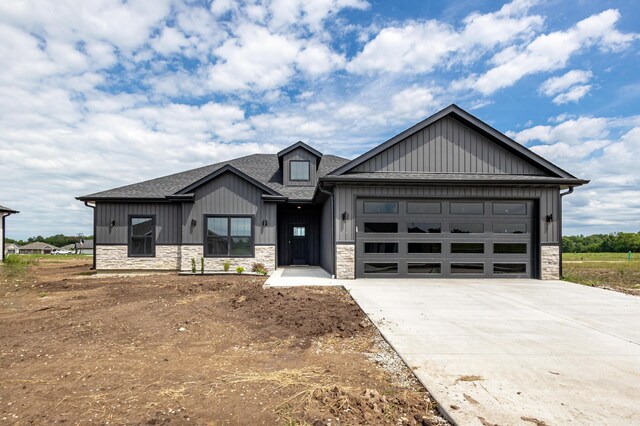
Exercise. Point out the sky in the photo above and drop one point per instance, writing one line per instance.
(103, 93)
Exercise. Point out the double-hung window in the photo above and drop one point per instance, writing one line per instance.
(228, 236)
(142, 239)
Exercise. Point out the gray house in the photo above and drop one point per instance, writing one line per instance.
(448, 197)
(4, 212)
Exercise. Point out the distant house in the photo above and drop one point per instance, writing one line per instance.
(4, 212)
(37, 248)
(11, 249)
(84, 247)
(69, 247)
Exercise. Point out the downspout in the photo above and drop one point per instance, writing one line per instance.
(95, 235)
(2, 236)
(562, 194)
(333, 229)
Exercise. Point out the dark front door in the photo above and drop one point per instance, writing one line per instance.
(299, 247)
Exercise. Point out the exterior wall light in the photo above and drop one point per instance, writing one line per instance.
(264, 222)
(112, 223)
(345, 216)
(193, 223)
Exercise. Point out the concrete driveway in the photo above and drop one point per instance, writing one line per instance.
(514, 351)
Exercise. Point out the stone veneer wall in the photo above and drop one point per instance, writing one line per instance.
(550, 262)
(116, 258)
(263, 254)
(345, 261)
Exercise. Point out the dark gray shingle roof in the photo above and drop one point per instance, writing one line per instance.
(265, 168)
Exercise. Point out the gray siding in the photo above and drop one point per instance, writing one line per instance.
(548, 203)
(447, 146)
(326, 240)
(304, 155)
(229, 194)
(167, 221)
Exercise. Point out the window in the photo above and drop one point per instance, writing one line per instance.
(299, 170)
(381, 268)
(229, 236)
(509, 228)
(467, 248)
(424, 248)
(381, 207)
(510, 208)
(142, 239)
(299, 231)
(424, 228)
(509, 268)
(381, 247)
(381, 227)
(424, 268)
(467, 268)
(466, 208)
(467, 228)
(510, 248)
(423, 207)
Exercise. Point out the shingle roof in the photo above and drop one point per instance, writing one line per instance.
(38, 245)
(265, 168)
(7, 209)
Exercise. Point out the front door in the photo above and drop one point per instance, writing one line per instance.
(298, 244)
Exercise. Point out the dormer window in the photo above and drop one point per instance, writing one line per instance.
(299, 170)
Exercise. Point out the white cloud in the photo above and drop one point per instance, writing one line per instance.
(572, 95)
(552, 51)
(555, 85)
(170, 41)
(572, 132)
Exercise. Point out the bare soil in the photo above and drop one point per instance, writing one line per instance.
(217, 350)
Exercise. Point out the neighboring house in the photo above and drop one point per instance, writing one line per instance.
(11, 249)
(84, 247)
(37, 248)
(4, 212)
(448, 197)
(69, 247)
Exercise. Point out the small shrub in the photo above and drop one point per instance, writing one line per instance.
(259, 268)
(202, 265)
(193, 265)
(225, 266)
(239, 269)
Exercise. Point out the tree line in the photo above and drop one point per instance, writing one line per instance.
(617, 242)
(58, 240)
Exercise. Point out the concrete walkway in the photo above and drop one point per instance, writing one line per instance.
(300, 276)
(514, 351)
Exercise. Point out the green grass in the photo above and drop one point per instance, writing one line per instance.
(599, 256)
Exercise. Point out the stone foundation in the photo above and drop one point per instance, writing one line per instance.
(345, 261)
(550, 262)
(178, 258)
(116, 258)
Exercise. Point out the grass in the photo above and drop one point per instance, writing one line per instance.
(15, 264)
(610, 270)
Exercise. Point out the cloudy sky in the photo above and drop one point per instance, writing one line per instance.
(101, 93)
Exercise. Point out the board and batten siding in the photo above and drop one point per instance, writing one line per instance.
(326, 238)
(447, 146)
(167, 221)
(548, 198)
(302, 155)
(232, 195)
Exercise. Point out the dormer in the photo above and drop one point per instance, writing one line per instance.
(299, 164)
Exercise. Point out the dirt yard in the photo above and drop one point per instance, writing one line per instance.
(174, 349)
(606, 270)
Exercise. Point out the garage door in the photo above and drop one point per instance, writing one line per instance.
(444, 238)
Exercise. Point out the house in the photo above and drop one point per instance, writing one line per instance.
(83, 247)
(11, 249)
(448, 197)
(4, 212)
(37, 247)
(69, 247)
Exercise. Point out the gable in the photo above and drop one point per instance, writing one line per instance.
(447, 146)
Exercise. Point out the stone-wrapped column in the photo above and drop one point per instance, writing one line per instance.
(345, 261)
(550, 256)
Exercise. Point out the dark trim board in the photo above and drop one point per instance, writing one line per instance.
(205, 230)
(129, 226)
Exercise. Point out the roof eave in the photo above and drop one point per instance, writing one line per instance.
(449, 181)
(302, 145)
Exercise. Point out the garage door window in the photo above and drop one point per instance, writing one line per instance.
(420, 207)
(509, 228)
(509, 268)
(467, 248)
(467, 268)
(510, 248)
(381, 227)
(466, 208)
(381, 207)
(424, 268)
(414, 248)
(510, 208)
(381, 268)
(424, 228)
(467, 228)
(380, 248)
